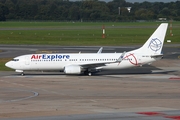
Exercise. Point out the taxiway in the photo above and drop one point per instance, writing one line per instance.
(149, 92)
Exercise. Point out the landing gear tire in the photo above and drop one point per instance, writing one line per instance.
(89, 74)
(22, 74)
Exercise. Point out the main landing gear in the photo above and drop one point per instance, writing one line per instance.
(87, 73)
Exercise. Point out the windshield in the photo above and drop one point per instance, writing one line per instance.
(15, 59)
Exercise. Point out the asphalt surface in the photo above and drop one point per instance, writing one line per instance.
(145, 93)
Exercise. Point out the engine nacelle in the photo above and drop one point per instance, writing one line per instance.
(72, 69)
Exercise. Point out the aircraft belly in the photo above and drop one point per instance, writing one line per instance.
(46, 66)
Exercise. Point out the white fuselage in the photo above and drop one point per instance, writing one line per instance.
(60, 61)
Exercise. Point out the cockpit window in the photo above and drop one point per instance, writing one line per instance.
(15, 59)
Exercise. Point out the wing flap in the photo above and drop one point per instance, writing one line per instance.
(93, 65)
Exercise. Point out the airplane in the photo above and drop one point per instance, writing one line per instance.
(88, 63)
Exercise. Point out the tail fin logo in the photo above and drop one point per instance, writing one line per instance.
(155, 44)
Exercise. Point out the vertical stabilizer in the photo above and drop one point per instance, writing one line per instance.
(154, 44)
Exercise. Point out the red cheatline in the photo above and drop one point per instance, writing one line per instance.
(150, 113)
(173, 117)
(174, 78)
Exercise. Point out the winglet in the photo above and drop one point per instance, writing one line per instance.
(100, 50)
(121, 57)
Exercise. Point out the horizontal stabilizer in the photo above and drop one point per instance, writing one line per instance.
(157, 56)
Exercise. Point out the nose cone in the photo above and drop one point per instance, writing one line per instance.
(9, 64)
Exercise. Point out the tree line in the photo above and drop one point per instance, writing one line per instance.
(87, 10)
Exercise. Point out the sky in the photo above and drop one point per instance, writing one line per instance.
(138, 0)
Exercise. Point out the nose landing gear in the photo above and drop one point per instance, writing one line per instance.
(22, 73)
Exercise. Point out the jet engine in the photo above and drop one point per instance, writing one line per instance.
(72, 69)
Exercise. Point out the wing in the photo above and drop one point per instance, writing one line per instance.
(100, 64)
(93, 65)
